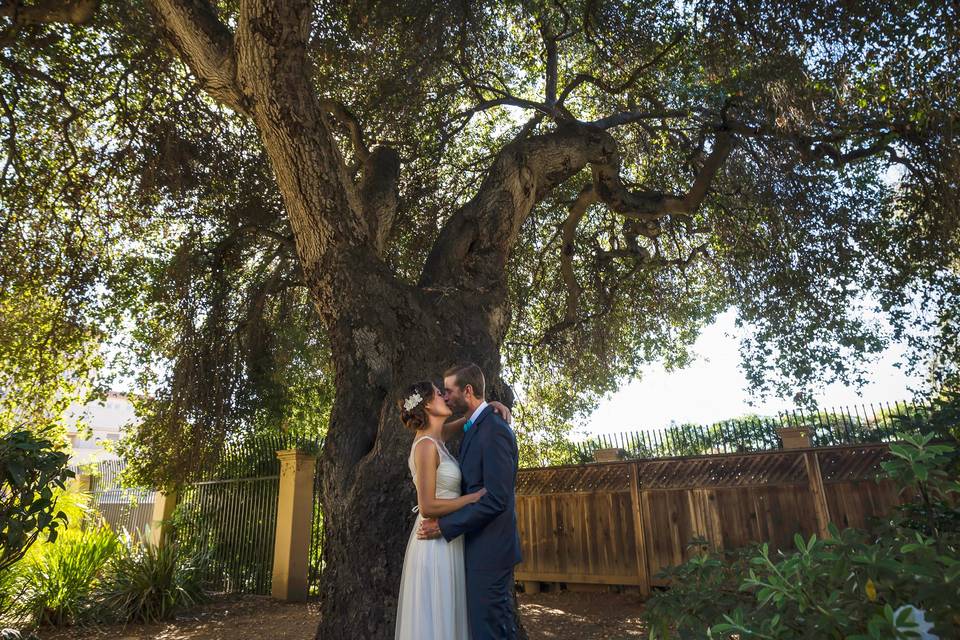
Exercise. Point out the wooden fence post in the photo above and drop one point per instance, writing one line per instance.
(291, 553)
(163, 505)
(640, 541)
(612, 454)
(820, 505)
(795, 437)
(799, 438)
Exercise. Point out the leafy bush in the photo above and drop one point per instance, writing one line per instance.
(145, 583)
(91, 574)
(31, 469)
(57, 583)
(75, 505)
(890, 582)
(705, 588)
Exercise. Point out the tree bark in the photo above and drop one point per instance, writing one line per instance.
(384, 334)
(389, 342)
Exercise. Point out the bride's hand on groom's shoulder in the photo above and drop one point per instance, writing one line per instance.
(502, 410)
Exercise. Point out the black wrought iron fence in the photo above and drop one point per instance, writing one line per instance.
(252, 456)
(227, 514)
(230, 525)
(315, 567)
(829, 427)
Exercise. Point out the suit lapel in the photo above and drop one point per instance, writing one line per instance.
(468, 438)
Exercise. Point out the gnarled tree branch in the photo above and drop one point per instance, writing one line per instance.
(652, 205)
(617, 89)
(48, 11)
(587, 196)
(378, 190)
(343, 115)
(196, 34)
(379, 182)
(551, 63)
(472, 248)
(319, 194)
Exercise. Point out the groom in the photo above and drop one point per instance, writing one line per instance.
(488, 459)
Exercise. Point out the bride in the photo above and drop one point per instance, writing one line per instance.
(433, 600)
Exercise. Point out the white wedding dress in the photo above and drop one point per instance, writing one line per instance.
(433, 588)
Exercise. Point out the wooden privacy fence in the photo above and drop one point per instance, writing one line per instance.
(620, 523)
(613, 523)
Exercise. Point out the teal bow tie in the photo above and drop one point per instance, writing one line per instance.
(467, 425)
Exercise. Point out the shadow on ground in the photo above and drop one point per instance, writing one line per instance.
(582, 616)
(547, 616)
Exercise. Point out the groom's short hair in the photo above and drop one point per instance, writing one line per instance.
(467, 373)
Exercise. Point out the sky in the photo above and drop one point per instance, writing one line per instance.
(713, 388)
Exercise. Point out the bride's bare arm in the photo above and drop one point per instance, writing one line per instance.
(453, 427)
(426, 460)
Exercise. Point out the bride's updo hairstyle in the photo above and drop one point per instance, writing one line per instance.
(413, 405)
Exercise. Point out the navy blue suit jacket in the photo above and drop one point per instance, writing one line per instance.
(488, 458)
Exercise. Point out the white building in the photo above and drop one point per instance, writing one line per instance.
(106, 420)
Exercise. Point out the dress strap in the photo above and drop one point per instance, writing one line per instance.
(441, 448)
(416, 441)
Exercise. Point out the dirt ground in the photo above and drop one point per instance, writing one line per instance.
(547, 616)
(582, 616)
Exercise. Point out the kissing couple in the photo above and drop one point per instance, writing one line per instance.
(457, 580)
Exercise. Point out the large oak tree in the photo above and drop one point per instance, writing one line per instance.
(270, 189)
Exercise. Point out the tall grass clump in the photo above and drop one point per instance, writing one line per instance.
(56, 584)
(146, 583)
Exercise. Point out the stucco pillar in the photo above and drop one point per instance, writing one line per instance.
(795, 437)
(163, 506)
(83, 482)
(294, 517)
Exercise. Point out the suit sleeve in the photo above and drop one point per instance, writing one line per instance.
(499, 476)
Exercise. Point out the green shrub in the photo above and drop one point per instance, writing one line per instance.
(75, 505)
(90, 574)
(57, 582)
(889, 582)
(145, 583)
(31, 469)
(705, 588)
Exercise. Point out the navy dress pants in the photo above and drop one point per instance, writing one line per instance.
(490, 605)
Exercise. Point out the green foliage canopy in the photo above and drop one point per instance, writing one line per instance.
(143, 203)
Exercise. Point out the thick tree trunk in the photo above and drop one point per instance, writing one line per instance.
(384, 334)
(386, 340)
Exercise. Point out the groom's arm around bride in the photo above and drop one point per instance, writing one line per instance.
(498, 455)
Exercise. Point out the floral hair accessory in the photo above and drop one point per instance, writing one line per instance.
(412, 401)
